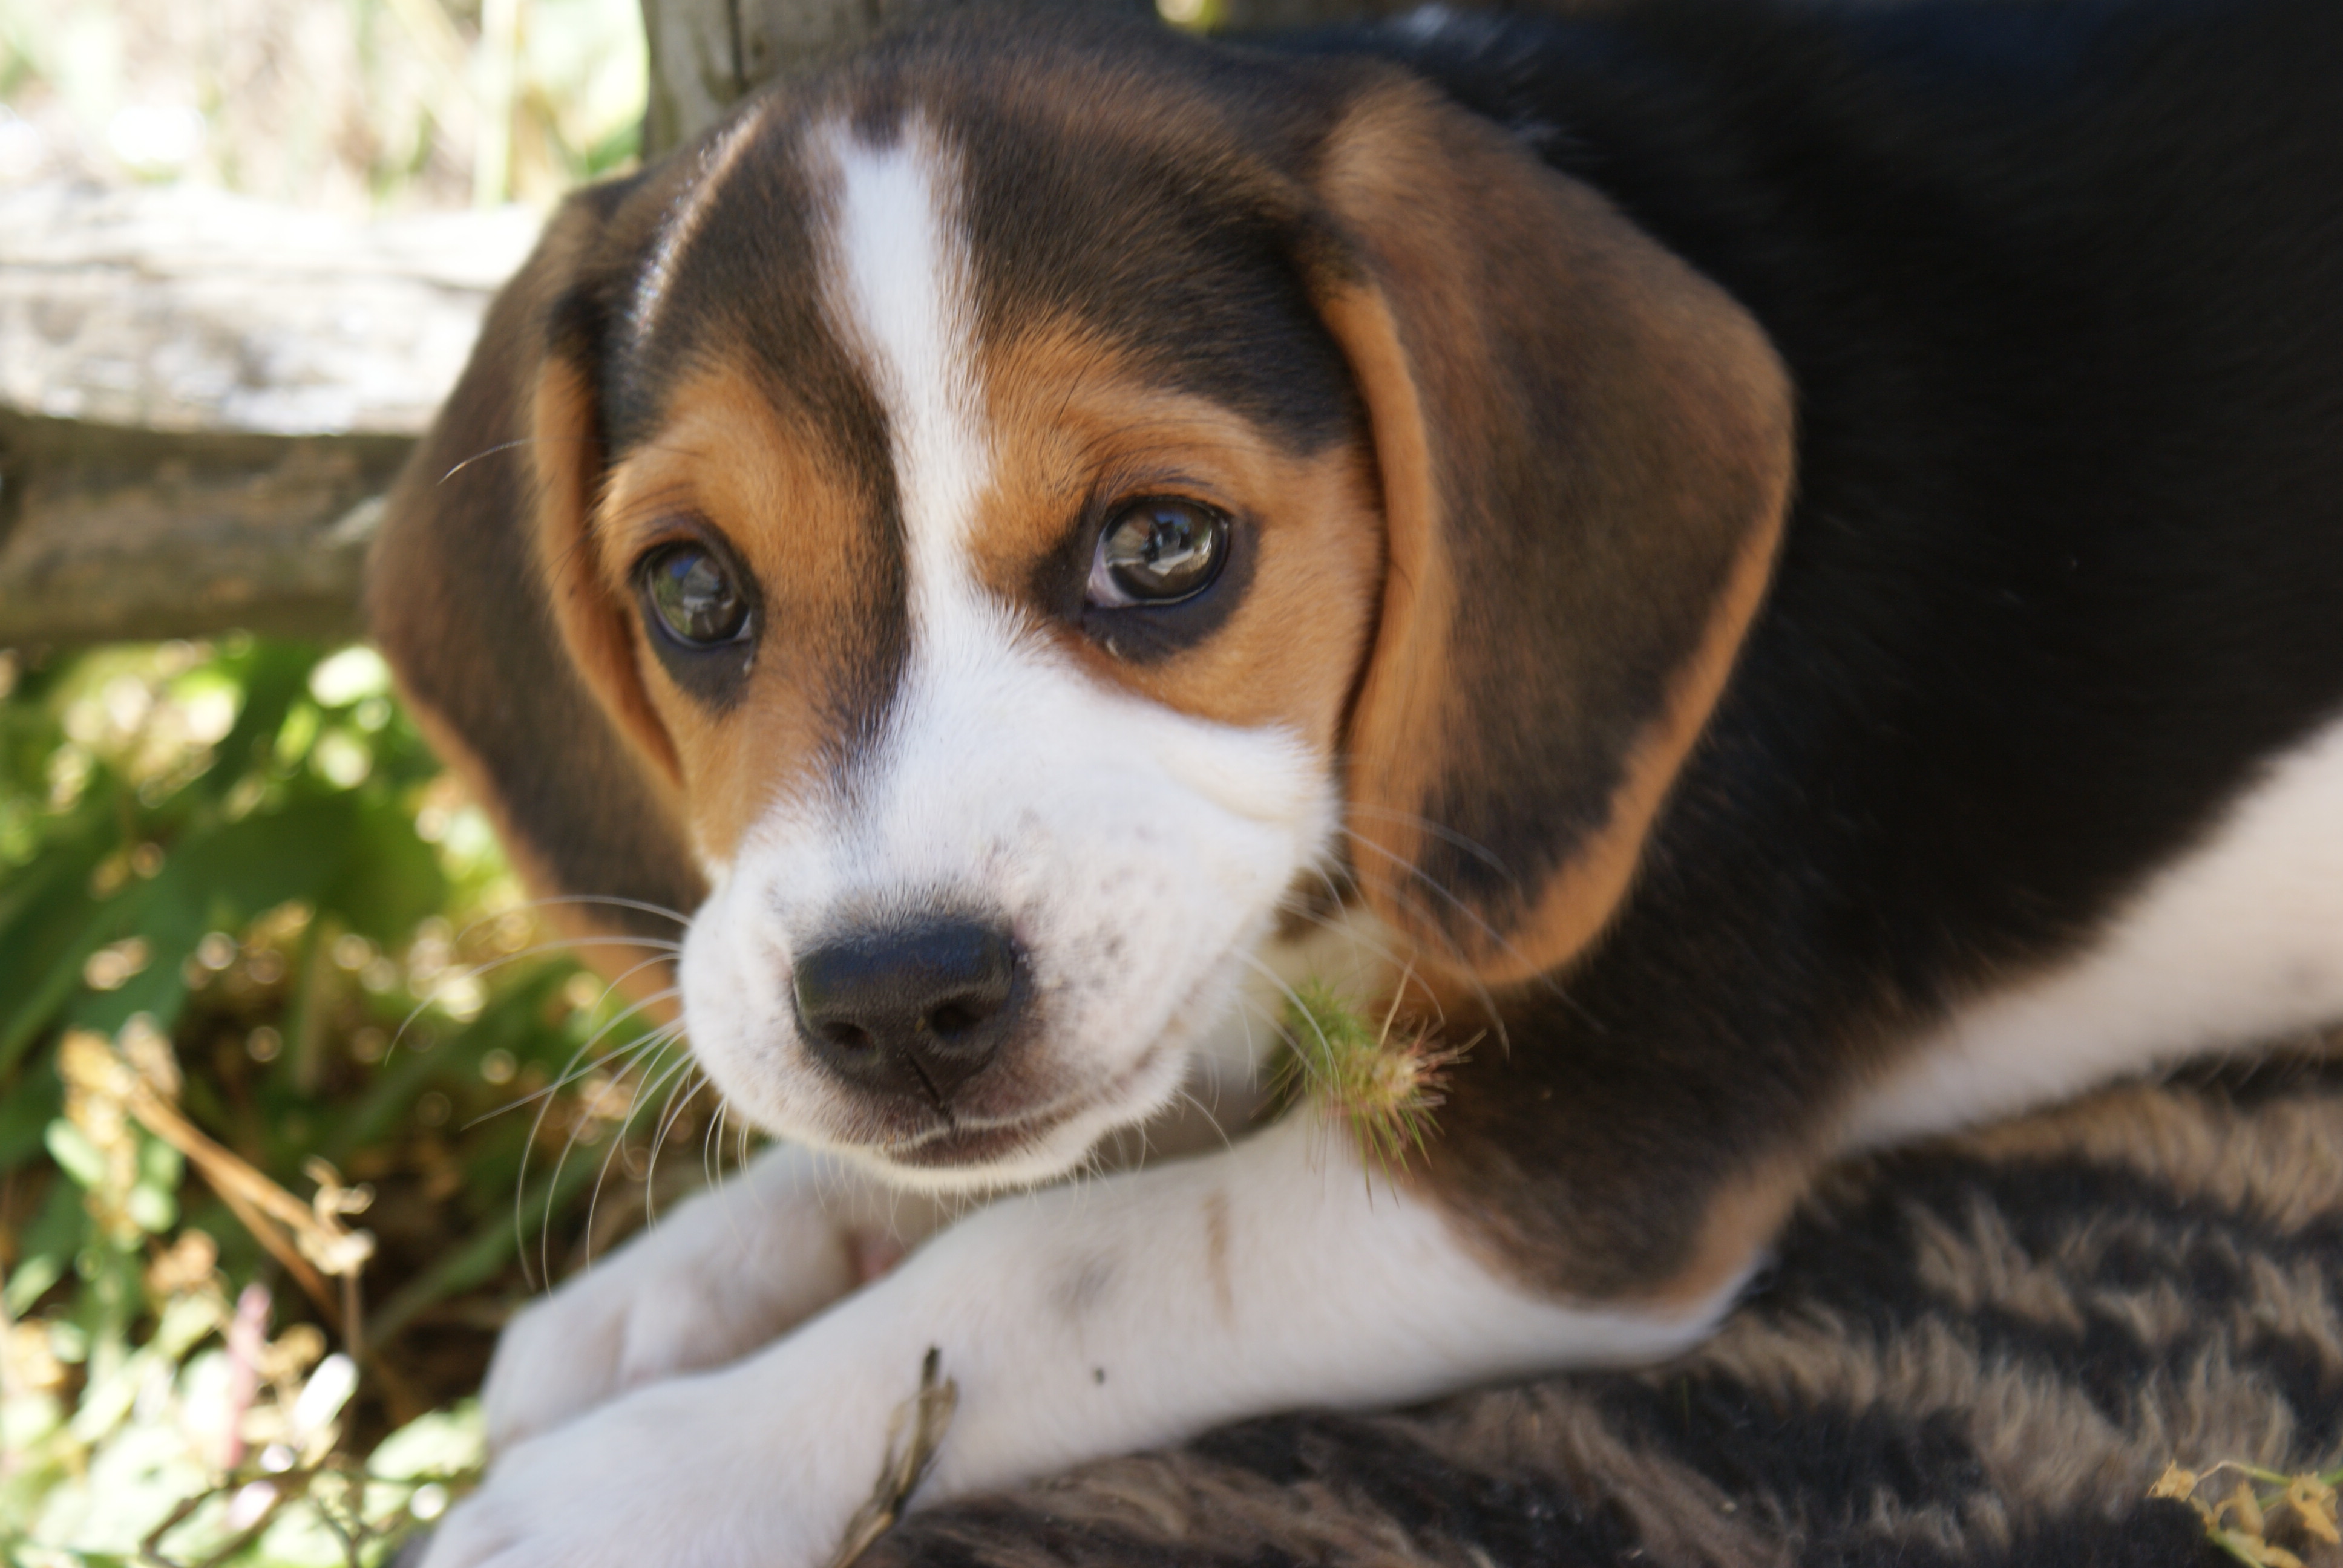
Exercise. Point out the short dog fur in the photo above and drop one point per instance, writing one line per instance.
(1781, 567)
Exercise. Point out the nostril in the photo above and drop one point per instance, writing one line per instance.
(958, 1016)
(845, 1036)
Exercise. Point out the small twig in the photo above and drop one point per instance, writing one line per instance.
(922, 1420)
(284, 1489)
(150, 1548)
(357, 1535)
(274, 1241)
(309, 1239)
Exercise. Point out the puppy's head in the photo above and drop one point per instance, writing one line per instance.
(984, 527)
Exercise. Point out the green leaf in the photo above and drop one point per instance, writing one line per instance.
(275, 676)
(444, 1443)
(31, 1280)
(75, 1155)
(226, 875)
(57, 926)
(83, 837)
(223, 875)
(159, 1164)
(154, 1210)
(59, 1227)
(389, 879)
(26, 1108)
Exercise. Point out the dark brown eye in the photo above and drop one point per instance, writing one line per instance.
(693, 594)
(1159, 551)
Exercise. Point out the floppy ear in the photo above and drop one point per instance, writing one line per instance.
(1586, 450)
(483, 597)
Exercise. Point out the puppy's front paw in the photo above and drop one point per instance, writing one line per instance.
(758, 1466)
(727, 1272)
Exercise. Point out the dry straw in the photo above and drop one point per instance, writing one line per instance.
(2243, 1522)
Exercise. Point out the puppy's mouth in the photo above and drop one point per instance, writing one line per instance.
(964, 1145)
(957, 1148)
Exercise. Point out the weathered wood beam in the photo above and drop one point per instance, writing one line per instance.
(113, 533)
(706, 54)
(199, 393)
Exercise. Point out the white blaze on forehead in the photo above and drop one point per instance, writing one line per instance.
(902, 282)
(685, 215)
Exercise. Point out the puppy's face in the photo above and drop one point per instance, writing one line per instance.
(983, 526)
(1001, 614)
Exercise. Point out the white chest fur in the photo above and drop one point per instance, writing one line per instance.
(2239, 942)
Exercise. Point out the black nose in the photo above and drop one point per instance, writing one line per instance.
(913, 1009)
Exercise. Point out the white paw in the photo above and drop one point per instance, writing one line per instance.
(762, 1464)
(727, 1272)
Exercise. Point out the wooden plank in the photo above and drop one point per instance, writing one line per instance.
(705, 54)
(200, 394)
(186, 308)
(110, 533)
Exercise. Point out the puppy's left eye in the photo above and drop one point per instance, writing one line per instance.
(695, 595)
(1159, 551)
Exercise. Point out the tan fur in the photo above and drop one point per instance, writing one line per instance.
(420, 616)
(796, 517)
(1065, 413)
(2037, 1438)
(1679, 1514)
(1060, 413)
(1740, 1219)
(1984, 1265)
(1404, 688)
(1216, 1256)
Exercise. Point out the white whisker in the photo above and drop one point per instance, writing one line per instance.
(645, 1063)
(618, 1144)
(474, 971)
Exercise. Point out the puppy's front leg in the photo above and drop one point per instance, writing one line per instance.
(1120, 1314)
(731, 1269)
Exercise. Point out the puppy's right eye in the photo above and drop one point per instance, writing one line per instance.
(693, 594)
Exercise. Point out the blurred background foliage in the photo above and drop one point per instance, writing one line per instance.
(348, 105)
(297, 1101)
(278, 1030)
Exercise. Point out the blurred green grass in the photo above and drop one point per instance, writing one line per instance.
(235, 868)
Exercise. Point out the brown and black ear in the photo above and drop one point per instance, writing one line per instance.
(482, 596)
(1585, 452)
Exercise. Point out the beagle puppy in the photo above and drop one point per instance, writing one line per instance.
(1782, 567)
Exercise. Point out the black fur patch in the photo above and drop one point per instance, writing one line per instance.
(2056, 286)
